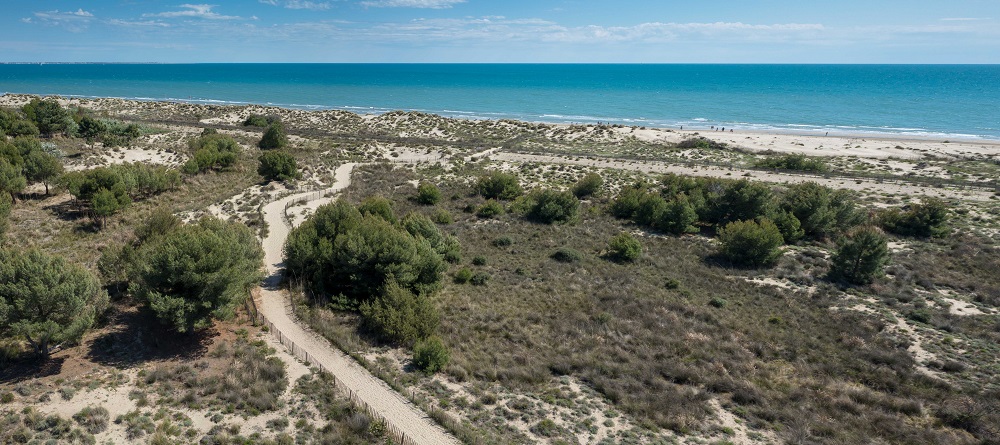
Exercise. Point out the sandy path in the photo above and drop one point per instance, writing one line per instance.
(718, 172)
(397, 411)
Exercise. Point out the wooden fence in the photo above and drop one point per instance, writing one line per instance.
(394, 433)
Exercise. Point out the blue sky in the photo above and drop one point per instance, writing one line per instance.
(666, 31)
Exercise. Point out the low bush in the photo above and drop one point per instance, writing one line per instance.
(624, 248)
(277, 165)
(93, 419)
(498, 185)
(490, 209)
(588, 186)
(751, 243)
(400, 316)
(796, 162)
(551, 207)
(861, 256)
(430, 355)
(566, 255)
(428, 193)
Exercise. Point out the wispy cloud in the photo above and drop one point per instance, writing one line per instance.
(137, 23)
(299, 4)
(428, 4)
(75, 21)
(194, 11)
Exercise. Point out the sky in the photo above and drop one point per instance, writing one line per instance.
(477, 31)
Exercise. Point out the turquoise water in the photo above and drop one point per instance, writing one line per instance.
(947, 101)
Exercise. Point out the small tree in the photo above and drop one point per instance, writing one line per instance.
(5, 205)
(430, 355)
(678, 217)
(12, 180)
(751, 242)
(624, 248)
(499, 185)
(48, 116)
(46, 300)
(428, 194)
(861, 255)
(742, 200)
(588, 185)
(490, 209)
(90, 128)
(550, 207)
(40, 166)
(104, 203)
(274, 137)
(278, 165)
(927, 219)
(198, 273)
(400, 316)
(378, 205)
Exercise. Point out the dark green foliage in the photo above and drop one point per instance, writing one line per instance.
(567, 255)
(678, 217)
(796, 162)
(551, 206)
(259, 120)
(43, 167)
(751, 242)
(821, 211)
(502, 241)
(13, 124)
(499, 185)
(430, 355)
(651, 207)
(46, 300)
(925, 220)
(421, 227)
(442, 216)
(211, 151)
(428, 194)
(6, 202)
(274, 137)
(379, 206)
(48, 116)
(589, 185)
(788, 224)
(861, 255)
(278, 165)
(479, 261)
(198, 272)
(463, 275)
(12, 180)
(105, 203)
(490, 209)
(626, 204)
(339, 251)
(400, 316)
(159, 223)
(90, 128)
(700, 142)
(624, 248)
(742, 200)
(479, 279)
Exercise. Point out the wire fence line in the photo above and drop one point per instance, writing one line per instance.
(393, 432)
(319, 194)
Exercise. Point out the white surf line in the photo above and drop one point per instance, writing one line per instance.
(398, 412)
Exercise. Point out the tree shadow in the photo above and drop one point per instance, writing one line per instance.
(136, 336)
(66, 210)
(30, 368)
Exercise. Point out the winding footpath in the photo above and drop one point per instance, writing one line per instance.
(392, 406)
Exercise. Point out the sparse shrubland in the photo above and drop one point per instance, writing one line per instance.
(211, 151)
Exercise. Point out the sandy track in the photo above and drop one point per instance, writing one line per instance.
(398, 411)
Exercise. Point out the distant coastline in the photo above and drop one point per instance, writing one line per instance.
(935, 102)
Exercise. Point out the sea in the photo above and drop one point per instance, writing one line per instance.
(921, 101)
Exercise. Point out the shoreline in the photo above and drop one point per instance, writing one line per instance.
(705, 128)
(834, 145)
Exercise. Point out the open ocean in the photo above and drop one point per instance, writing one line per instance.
(934, 101)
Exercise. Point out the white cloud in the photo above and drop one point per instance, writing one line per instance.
(194, 11)
(303, 4)
(137, 23)
(429, 4)
(72, 20)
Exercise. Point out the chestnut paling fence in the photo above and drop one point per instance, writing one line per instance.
(394, 433)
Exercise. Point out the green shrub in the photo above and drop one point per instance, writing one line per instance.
(626, 204)
(588, 185)
(566, 255)
(718, 302)
(94, 420)
(624, 248)
(277, 165)
(861, 255)
(479, 261)
(379, 206)
(672, 283)
(490, 209)
(925, 220)
(442, 216)
(48, 116)
(751, 243)
(463, 275)
(677, 217)
(400, 316)
(479, 278)
(550, 206)
(742, 200)
(820, 210)
(503, 241)
(211, 151)
(796, 162)
(499, 185)
(274, 137)
(259, 120)
(430, 355)
(428, 194)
